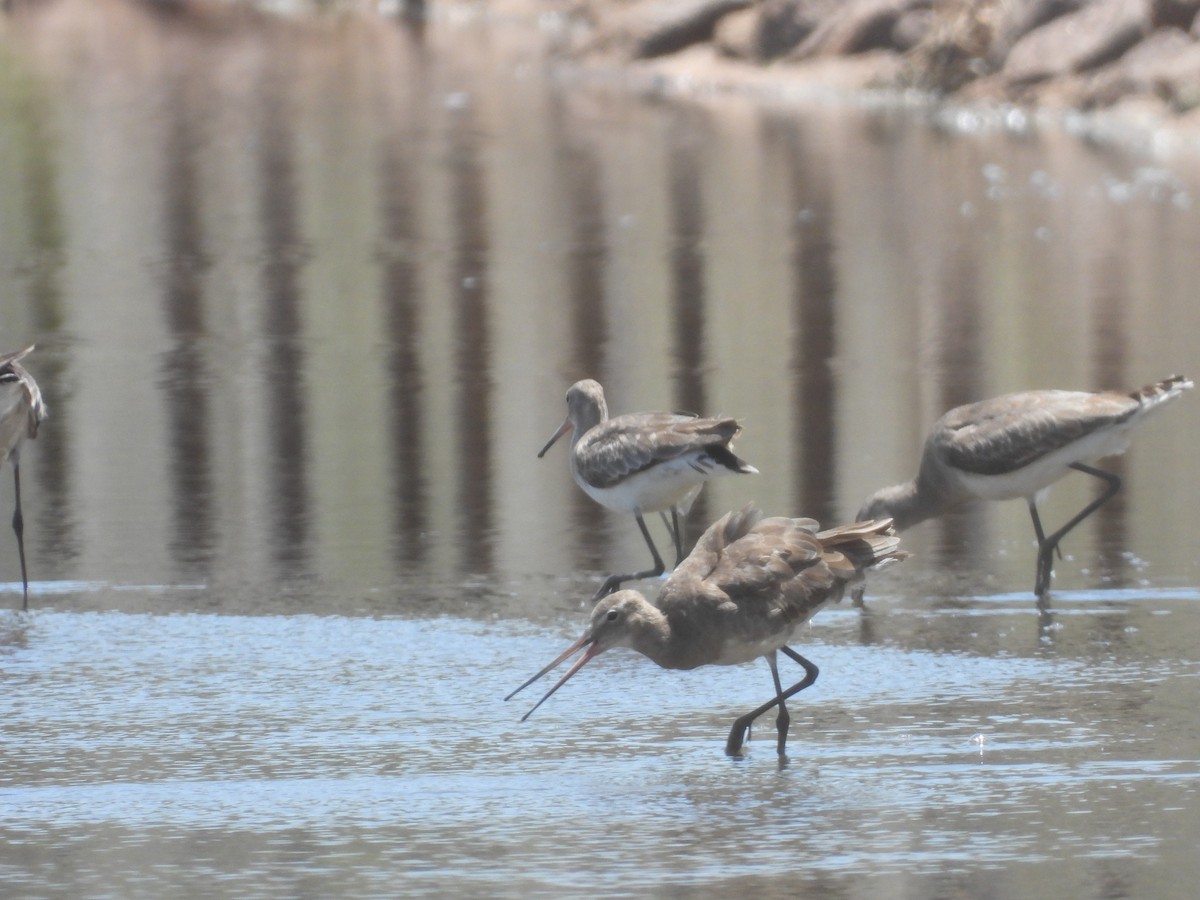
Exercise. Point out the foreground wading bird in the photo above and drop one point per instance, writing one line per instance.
(644, 462)
(745, 591)
(1018, 445)
(21, 411)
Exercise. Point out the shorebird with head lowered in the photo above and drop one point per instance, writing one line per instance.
(745, 591)
(1017, 445)
(644, 462)
(21, 412)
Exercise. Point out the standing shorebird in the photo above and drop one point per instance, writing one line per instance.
(1018, 445)
(21, 411)
(745, 591)
(644, 462)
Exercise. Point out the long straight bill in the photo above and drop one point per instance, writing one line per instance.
(568, 652)
(562, 429)
(592, 652)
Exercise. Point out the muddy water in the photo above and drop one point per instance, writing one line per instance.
(307, 297)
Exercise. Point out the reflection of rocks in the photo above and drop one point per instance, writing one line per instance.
(1092, 53)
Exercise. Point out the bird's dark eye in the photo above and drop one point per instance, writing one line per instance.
(612, 615)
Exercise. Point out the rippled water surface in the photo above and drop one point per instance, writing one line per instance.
(307, 295)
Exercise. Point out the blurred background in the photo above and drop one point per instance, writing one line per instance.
(307, 294)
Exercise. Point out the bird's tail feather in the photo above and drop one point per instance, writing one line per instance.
(1162, 391)
(852, 549)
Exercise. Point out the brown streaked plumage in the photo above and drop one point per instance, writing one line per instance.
(743, 592)
(1017, 445)
(21, 412)
(644, 462)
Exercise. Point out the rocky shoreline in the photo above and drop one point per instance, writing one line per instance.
(1140, 56)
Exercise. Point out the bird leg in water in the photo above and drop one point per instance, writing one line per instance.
(18, 524)
(612, 582)
(737, 734)
(783, 720)
(1048, 545)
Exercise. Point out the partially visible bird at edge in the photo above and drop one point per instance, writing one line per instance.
(746, 590)
(644, 462)
(21, 412)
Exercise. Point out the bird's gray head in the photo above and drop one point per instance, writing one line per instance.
(586, 406)
(616, 620)
(875, 507)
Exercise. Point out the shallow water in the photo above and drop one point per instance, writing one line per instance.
(284, 754)
(307, 297)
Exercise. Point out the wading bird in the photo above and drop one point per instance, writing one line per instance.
(1018, 445)
(644, 462)
(745, 591)
(21, 411)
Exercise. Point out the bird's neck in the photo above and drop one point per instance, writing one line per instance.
(587, 418)
(652, 637)
(907, 504)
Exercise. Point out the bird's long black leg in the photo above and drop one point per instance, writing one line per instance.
(18, 524)
(737, 734)
(1050, 544)
(612, 582)
(783, 720)
(677, 534)
(1045, 561)
(672, 526)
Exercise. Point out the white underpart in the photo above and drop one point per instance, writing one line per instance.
(1040, 474)
(12, 426)
(663, 485)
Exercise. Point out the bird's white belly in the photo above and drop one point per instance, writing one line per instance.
(12, 427)
(660, 487)
(1042, 473)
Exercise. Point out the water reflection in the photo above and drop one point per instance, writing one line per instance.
(42, 257)
(474, 364)
(687, 234)
(587, 260)
(813, 298)
(778, 267)
(285, 253)
(400, 286)
(185, 377)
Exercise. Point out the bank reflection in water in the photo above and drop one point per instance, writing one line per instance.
(185, 366)
(382, 265)
(586, 260)
(401, 200)
(285, 251)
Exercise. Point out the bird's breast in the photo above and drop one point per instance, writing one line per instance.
(659, 486)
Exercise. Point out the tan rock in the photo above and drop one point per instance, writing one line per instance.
(1093, 36)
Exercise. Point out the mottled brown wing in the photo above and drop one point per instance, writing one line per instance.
(625, 445)
(1007, 433)
(773, 566)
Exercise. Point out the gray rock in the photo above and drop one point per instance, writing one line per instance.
(659, 27)
(857, 26)
(1019, 17)
(766, 30)
(1174, 13)
(1166, 65)
(1077, 42)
